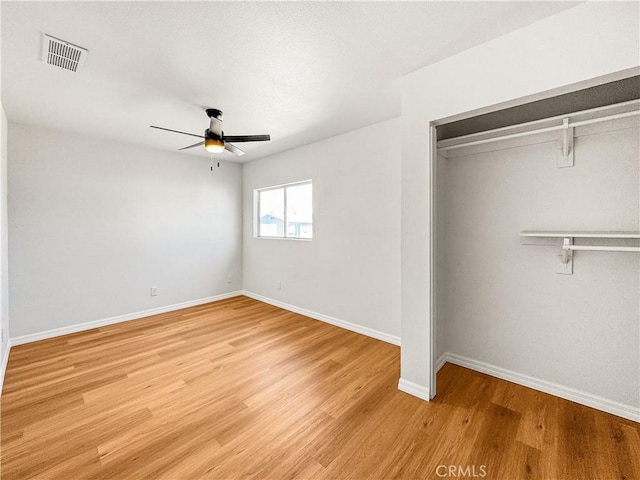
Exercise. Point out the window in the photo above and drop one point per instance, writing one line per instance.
(285, 211)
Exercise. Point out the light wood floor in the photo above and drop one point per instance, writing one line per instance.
(241, 389)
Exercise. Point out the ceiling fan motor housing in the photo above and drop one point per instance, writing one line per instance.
(209, 134)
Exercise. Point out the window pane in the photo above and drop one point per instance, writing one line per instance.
(271, 222)
(299, 211)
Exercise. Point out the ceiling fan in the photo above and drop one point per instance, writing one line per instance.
(215, 141)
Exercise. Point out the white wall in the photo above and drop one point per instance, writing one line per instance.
(95, 223)
(503, 303)
(580, 43)
(350, 271)
(4, 244)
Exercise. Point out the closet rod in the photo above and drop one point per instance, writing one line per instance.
(601, 248)
(604, 108)
(541, 130)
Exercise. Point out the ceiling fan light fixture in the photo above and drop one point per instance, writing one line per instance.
(213, 145)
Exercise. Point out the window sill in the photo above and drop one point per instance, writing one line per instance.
(284, 238)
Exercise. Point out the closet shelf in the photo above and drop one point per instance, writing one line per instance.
(579, 234)
(566, 240)
(564, 125)
(562, 122)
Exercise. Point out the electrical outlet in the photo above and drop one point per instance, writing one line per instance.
(229, 278)
(278, 285)
(154, 291)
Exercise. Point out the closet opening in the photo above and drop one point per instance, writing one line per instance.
(535, 228)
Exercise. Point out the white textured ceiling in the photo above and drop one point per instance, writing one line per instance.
(300, 71)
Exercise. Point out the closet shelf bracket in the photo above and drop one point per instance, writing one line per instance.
(565, 264)
(565, 239)
(565, 152)
(567, 252)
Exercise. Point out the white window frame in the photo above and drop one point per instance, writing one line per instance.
(256, 210)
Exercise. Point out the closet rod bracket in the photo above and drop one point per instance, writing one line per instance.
(625, 242)
(564, 264)
(565, 151)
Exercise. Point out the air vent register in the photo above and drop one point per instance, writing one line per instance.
(62, 54)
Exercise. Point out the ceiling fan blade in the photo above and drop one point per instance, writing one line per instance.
(176, 131)
(191, 146)
(246, 138)
(233, 149)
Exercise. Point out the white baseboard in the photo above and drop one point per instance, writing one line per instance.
(369, 332)
(414, 389)
(583, 398)
(441, 361)
(5, 360)
(56, 332)
(417, 390)
(610, 406)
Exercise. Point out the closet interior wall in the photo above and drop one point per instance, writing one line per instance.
(500, 302)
